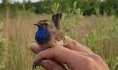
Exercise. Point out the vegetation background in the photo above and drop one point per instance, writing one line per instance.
(93, 23)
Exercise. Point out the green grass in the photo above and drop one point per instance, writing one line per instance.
(1, 45)
(100, 34)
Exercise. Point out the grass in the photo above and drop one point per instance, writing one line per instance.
(98, 33)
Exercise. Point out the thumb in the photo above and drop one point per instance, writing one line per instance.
(74, 45)
(70, 43)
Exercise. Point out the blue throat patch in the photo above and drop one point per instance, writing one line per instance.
(42, 34)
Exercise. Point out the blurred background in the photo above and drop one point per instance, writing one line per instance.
(93, 23)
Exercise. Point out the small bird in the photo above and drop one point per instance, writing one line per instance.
(48, 33)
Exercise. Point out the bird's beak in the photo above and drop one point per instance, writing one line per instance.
(36, 24)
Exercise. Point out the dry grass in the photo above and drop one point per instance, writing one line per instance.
(19, 34)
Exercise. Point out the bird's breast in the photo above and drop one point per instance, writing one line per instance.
(42, 35)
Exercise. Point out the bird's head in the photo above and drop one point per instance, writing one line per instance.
(54, 23)
(45, 23)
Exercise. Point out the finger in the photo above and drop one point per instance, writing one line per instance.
(35, 48)
(47, 53)
(74, 45)
(52, 65)
(63, 55)
(50, 53)
(58, 53)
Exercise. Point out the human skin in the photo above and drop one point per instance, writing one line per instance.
(73, 54)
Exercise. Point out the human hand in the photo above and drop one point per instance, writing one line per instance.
(75, 55)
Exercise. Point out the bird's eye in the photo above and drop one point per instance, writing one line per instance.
(45, 24)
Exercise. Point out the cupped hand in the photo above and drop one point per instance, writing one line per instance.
(75, 55)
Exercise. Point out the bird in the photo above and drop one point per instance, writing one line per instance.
(48, 33)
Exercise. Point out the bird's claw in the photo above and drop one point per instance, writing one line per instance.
(35, 64)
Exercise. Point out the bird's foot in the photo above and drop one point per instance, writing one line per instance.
(35, 64)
